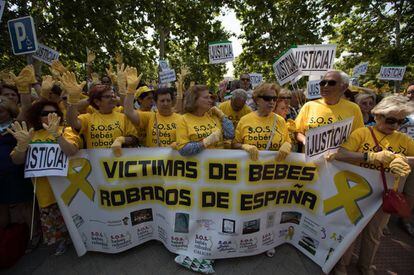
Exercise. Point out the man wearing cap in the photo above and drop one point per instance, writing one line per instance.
(331, 108)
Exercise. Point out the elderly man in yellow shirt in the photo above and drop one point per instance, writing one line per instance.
(332, 107)
(236, 107)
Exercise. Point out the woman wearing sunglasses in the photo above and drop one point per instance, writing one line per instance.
(391, 152)
(263, 129)
(104, 128)
(44, 117)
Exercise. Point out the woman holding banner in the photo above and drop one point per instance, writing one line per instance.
(263, 129)
(104, 128)
(202, 126)
(44, 118)
(378, 146)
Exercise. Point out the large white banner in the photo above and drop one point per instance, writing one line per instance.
(45, 159)
(315, 59)
(328, 138)
(218, 204)
(392, 73)
(220, 52)
(286, 68)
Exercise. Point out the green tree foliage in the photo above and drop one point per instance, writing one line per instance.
(131, 27)
(270, 27)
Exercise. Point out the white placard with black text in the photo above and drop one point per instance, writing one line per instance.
(46, 54)
(315, 59)
(220, 52)
(45, 159)
(392, 73)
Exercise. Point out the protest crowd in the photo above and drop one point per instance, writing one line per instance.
(118, 110)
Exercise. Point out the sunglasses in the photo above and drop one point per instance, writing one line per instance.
(268, 97)
(329, 82)
(393, 120)
(46, 113)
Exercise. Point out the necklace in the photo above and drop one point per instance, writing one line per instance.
(377, 148)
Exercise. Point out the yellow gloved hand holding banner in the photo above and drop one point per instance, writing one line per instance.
(252, 150)
(383, 157)
(117, 146)
(399, 166)
(284, 151)
(212, 139)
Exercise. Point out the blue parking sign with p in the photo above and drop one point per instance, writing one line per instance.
(22, 35)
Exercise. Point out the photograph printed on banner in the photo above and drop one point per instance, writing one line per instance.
(182, 221)
(270, 221)
(308, 243)
(250, 227)
(140, 216)
(229, 226)
(291, 217)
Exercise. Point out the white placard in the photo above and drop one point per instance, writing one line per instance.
(360, 69)
(286, 69)
(328, 138)
(46, 54)
(255, 79)
(392, 73)
(315, 59)
(313, 89)
(167, 76)
(163, 65)
(220, 52)
(2, 4)
(45, 159)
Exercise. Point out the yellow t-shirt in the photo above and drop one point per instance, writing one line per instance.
(167, 127)
(255, 130)
(191, 128)
(361, 141)
(317, 113)
(44, 193)
(100, 130)
(233, 115)
(90, 109)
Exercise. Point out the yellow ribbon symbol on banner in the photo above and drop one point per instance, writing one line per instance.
(348, 196)
(77, 180)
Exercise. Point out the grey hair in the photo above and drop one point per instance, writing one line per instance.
(394, 104)
(343, 75)
(364, 95)
(239, 93)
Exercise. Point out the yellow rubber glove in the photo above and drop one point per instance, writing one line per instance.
(22, 135)
(252, 150)
(117, 146)
(119, 58)
(95, 78)
(400, 167)
(8, 77)
(47, 84)
(72, 87)
(174, 145)
(121, 79)
(132, 79)
(24, 79)
(212, 139)
(284, 151)
(90, 58)
(179, 87)
(52, 126)
(217, 112)
(384, 157)
(112, 75)
(58, 66)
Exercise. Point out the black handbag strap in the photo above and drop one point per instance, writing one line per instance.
(384, 180)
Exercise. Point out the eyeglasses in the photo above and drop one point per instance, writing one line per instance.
(245, 79)
(64, 97)
(329, 82)
(268, 97)
(393, 120)
(46, 113)
(108, 96)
